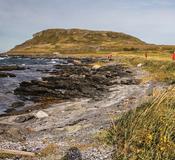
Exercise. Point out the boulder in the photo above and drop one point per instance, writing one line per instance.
(73, 154)
(11, 68)
(96, 66)
(17, 104)
(77, 62)
(25, 118)
(140, 65)
(149, 90)
(41, 114)
(4, 75)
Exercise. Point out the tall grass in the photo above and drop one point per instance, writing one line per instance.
(148, 132)
(160, 66)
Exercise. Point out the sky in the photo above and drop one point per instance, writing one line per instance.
(152, 21)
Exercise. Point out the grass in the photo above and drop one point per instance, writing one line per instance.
(80, 41)
(147, 132)
(159, 65)
(50, 149)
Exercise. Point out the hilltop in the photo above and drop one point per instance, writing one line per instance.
(78, 41)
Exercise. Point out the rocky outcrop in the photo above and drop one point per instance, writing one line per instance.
(3, 75)
(75, 81)
(9, 68)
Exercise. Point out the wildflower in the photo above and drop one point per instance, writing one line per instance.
(162, 148)
(164, 139)
(150, 137)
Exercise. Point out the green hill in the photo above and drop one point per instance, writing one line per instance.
(72, 41)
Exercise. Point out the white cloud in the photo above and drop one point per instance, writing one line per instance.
(151, 20)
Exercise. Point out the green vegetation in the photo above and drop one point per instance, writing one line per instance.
(147, 132)
(144, 133)
(4, 156)
(77, 41)
(159, 64)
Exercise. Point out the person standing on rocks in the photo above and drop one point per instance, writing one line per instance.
(109, 57)
(173, 56)
(146, 55)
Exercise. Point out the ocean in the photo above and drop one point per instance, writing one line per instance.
(35, 68)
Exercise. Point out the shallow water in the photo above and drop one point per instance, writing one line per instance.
(33, 71)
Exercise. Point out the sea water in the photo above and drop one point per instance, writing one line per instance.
(35, 68)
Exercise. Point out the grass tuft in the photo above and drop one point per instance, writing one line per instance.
(147, 132)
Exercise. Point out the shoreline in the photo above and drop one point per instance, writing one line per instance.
(80, 80)
(74, 122)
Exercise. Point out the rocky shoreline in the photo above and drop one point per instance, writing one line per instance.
(4, 70)
(79, 78)
(72, 105)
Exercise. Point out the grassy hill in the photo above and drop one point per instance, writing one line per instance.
(76, 41)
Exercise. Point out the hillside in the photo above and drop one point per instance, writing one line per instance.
(78, 41)
(75, 41)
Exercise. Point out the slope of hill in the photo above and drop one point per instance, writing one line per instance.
(78, 41)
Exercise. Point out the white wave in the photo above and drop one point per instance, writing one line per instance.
(53, 61)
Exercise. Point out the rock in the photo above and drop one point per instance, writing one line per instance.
(41, 114)
(16, 134)
(25, 118)
(127, 81)
(140, 65)
(67, 82)
(3, 75)
(116, 81)
(96, 66)
(17, 104)
(73, 154)
(149, 90)
(11, 68)
(77, 62)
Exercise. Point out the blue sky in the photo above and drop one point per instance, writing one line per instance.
(152, 21)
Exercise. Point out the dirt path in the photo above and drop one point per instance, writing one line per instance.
(73, 123)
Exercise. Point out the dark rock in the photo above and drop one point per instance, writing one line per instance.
(73, 154)
(22, 119)
(17, 104)
(11, 68)
(75, 81)
(3, 75)
(128, 81)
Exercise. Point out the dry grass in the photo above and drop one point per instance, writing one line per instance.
(75, 41)
(159, 65)
(147, 132)
(50, 149)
